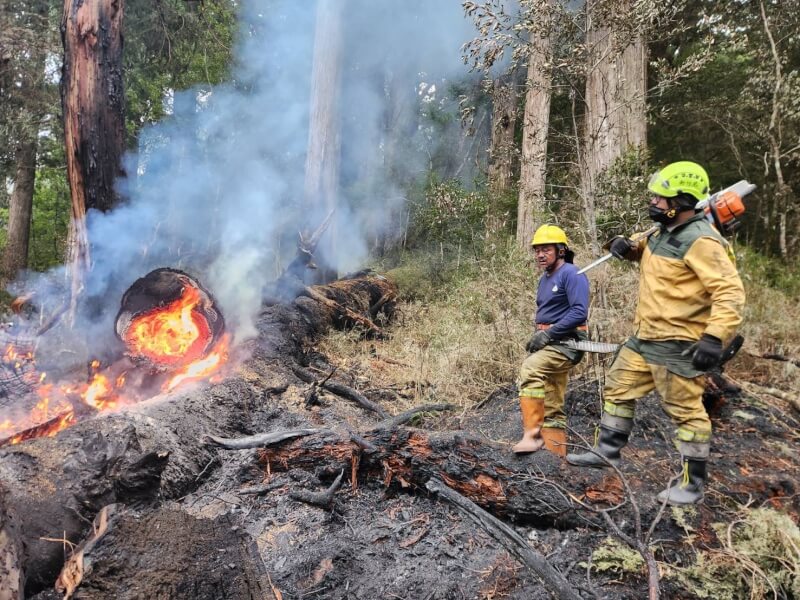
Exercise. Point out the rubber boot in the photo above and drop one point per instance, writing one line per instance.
(555, 440)
(532, 418)
(613, 436)
(690, 489)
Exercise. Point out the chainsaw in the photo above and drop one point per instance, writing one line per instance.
(722, 210)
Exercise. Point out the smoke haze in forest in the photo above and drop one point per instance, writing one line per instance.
(216, 188)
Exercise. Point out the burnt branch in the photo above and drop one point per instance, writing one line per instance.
(321, 499)
(508, 539)
(260, 440)
(340, 390)
(405, 417)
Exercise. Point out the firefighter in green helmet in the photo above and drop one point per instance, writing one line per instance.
(690, 302)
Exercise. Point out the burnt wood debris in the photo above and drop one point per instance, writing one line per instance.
(200, 493)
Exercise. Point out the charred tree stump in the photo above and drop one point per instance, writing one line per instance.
(52, 488)
(490, 477)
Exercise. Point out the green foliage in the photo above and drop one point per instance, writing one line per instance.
(760, 558)
(762, 271)
(172, 46)
(613, 555)
(51, 208)
(621, 194)
(447, 213)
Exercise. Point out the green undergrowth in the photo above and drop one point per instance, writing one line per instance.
(612, 555)
(467, 311)
(758, 557)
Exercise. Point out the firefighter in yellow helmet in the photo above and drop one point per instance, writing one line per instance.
(562, 305)
(690, 302)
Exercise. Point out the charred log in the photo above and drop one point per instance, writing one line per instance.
(509, 539)
(494, 480)
(55, 486)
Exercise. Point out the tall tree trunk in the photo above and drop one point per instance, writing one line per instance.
(536, 122)
(502, 147)
(616, 83)
(323, 156)
(20, 206)
(92, 99)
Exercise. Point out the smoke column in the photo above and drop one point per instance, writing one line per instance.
(215, 189)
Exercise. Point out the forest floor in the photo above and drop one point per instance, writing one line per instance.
(393, 540)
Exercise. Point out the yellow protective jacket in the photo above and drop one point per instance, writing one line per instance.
(688, 284)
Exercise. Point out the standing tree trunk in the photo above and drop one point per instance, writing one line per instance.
(536, 122)
(20, 206)
(616, 83)
(94, 126)
(502, 149)
(323, 156)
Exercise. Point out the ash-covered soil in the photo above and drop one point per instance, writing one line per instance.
(391, 542)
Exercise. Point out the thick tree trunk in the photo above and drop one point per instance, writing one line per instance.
(536, 122)
(20, 208)
(323, 155)
(615, 119)
(502, 149)
(92, 101)
(51, 488)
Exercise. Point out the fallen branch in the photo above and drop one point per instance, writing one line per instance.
(321, 499)
(756, 389)
(260, 440)
(406, 416)
(341, 390)
(508, 539)
(354, 317)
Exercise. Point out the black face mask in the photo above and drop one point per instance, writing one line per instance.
(665, 217)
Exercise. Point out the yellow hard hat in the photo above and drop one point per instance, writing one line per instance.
(549, 234)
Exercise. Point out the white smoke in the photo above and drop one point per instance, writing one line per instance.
(216, 188)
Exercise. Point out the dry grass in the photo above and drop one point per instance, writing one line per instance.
(465, 337)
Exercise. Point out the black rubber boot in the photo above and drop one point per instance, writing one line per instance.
(613, 437)
(690, 489)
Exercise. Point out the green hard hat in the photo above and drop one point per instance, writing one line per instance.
(684, 177)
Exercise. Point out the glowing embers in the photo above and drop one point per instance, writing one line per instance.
(169, 321)
(173, 334)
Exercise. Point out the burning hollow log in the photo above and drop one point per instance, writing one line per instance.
(167, 320)
(51, 488)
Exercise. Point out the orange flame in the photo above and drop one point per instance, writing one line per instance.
(201, 368)
(172, 335)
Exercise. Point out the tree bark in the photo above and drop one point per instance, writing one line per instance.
(323, 156)
(536, 122)
(502, 147)
(20, 207)
(494, 480)
(93, 103)
(616, 86)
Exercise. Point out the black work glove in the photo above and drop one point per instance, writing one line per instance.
(539, 340)
(620, 246)
(707, 352)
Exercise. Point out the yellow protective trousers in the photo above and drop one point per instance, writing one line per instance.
(544, 374)
(632, 377)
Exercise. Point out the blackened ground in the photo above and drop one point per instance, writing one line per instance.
(389, 542)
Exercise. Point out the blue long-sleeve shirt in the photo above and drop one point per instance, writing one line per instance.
(562, 300)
